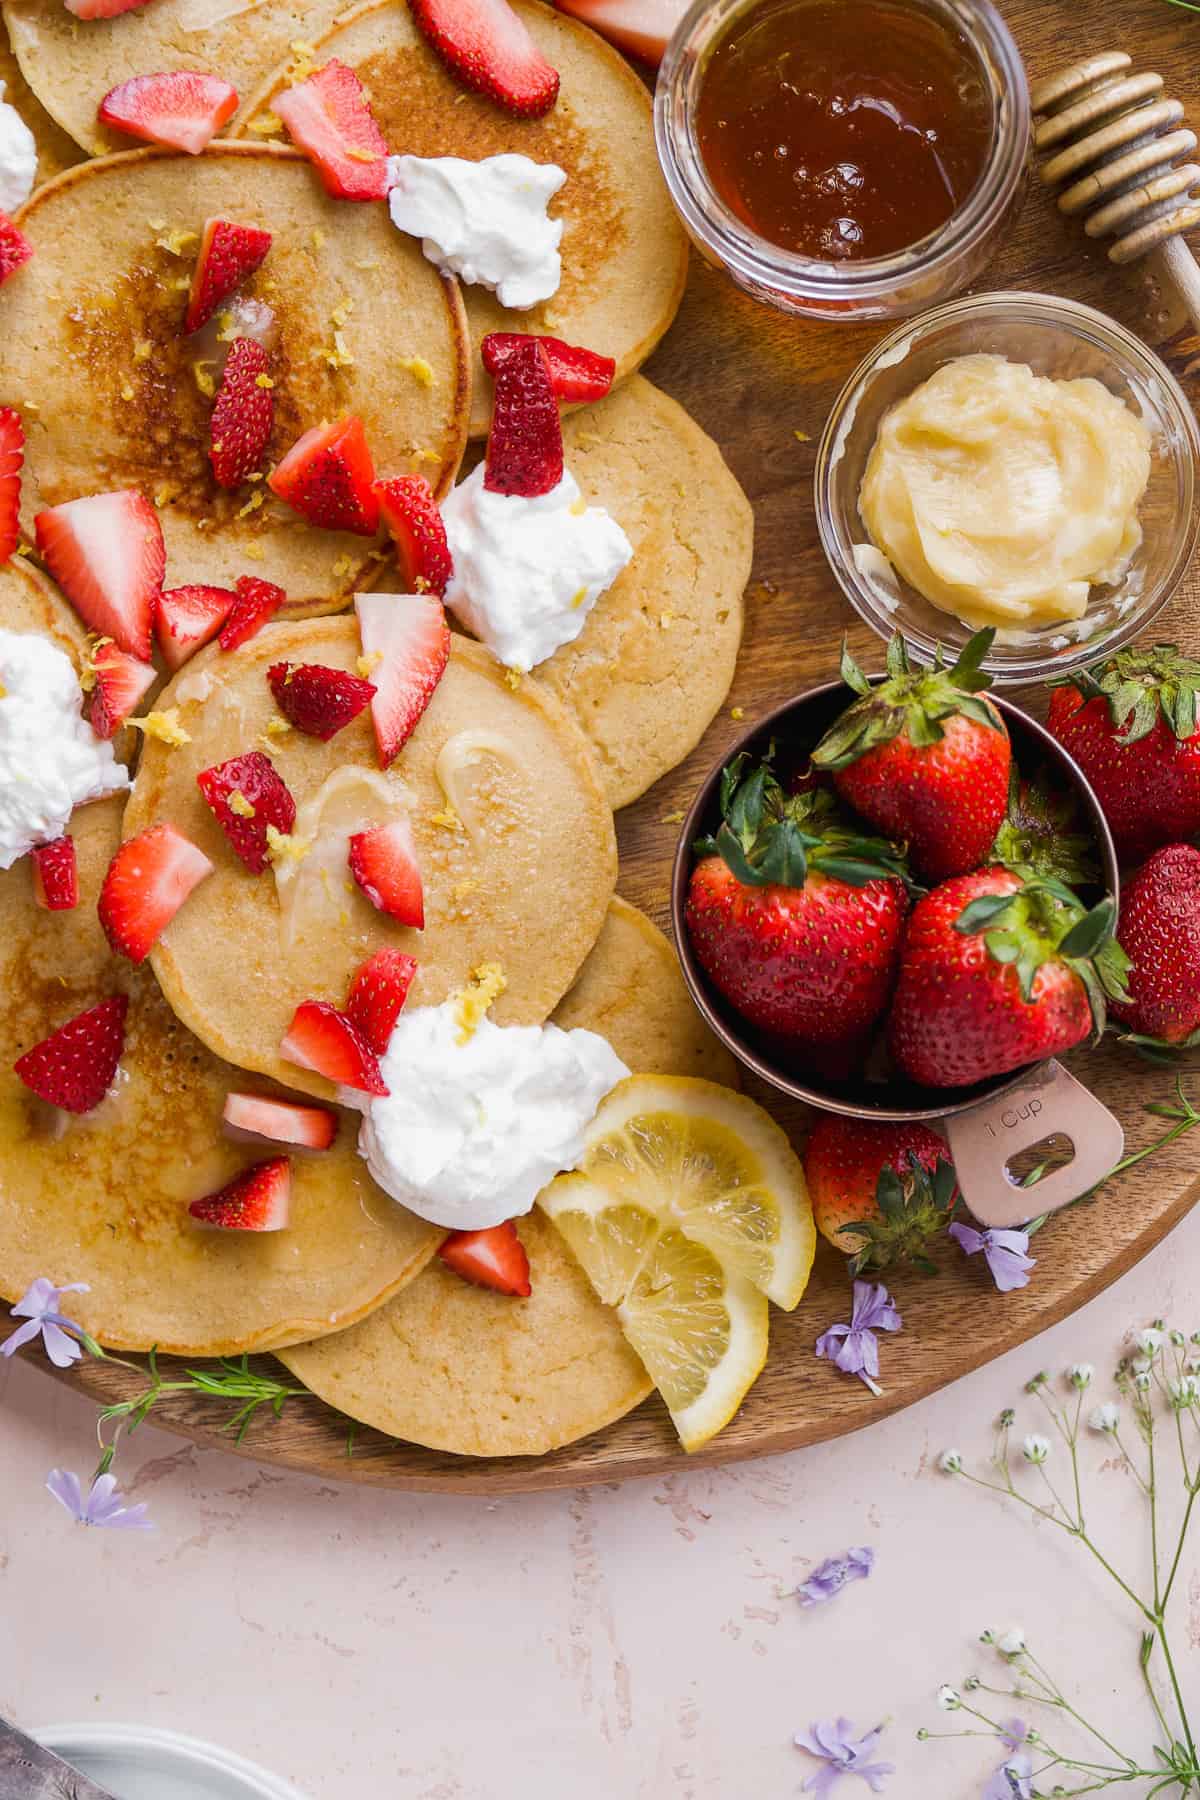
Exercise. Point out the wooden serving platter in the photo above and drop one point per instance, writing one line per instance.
(762, 385)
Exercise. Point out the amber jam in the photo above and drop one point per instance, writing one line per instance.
(843, 130)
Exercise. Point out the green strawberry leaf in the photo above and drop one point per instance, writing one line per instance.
(850, 672)
(1095, 927)
(981, 913)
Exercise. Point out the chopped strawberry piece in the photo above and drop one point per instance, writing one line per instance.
(101, 9)
(147, 882)
(263, 799)
(641, 28)
(121, 681)
(525, 445)
(489, 48)
(12, 457)
(330, 118)
(318, 701)
(56, 876)
(384, 864)
(15, 248)
(254, 602)
(258, 1199)
(106, 553)
(494, 1258)
(310, 1127)
(324, 1039)
(74, 1067)
(575, 374)
(411, 514)
(410, 635)
(327, 477)
(243, 415)
(377, 994)
(229, 255)
(182, 109)
(187, 618)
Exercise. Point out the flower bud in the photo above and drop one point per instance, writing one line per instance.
(1079, 1375)
(950, 1462)
(949, 1699)
(1105, 1418)
(1035, 1449)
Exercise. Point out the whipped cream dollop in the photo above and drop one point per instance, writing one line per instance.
(18, 157)
(51, 760)
(527, 572)
(471, 1132)
(485, 222)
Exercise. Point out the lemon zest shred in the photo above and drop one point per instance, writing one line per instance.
(238, 803)
(368, 664)
(472, 1002)
(419, 369)
(164, 726)
(284, 847)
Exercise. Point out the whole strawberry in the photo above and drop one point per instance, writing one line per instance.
(1130, 723)
(1159, 931)
(881, 1193)
(997, 972)
(795, 917)
(923, 757)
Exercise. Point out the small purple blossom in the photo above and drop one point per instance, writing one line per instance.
(832, 1740)
(834, 1574)
(40, 1307)
(1013, 1780)
(854, 1348)
(1013, 1733)
(104, 1504)
(1003, 1251)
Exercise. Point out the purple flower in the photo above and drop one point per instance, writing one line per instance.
(104, 1504)
(1013, 1780)
(1004, 1253)
(833, 1575)
(1013, 1733)
(843, 1754)
(40, 1307)
(853, 1348)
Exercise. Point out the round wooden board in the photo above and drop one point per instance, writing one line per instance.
(756, 380)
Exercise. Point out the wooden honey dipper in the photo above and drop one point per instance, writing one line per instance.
(1113, 144)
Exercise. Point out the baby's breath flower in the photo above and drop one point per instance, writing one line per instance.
(1105, 1418)
(949, 1699)
(950, 1462)
(1036, 1381)
(1079, 1375)
(988, 1636)
(1012, 1643)
(1141, 1381)
(1150, 1341)
(1177, 1338)
(972, 1683)
(1184, 1392)
(1035, 1449)
(1141, 1365)
(1007, 1417)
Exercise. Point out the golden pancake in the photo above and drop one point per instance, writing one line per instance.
(102, 1198)
(624, 251)
(92, 332)
(479, 1374)
(56, 151)
(518, 858)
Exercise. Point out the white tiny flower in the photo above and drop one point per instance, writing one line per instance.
(1012, 1643)
(1079, 1375)
(1150, 1340)
(1184, 1392)
(950, 1462)
(949, 1699)
(1035, 1449)
(1141, 1381)
(1105, 1418)
(1141, 1365)
(1192, 1364)
(972, 1683)
(1177, 1338)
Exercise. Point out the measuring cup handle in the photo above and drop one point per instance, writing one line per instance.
(984, 1140)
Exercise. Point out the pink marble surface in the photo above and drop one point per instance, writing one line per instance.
(624, 1643)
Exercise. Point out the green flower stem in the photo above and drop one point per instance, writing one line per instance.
(231, 1379)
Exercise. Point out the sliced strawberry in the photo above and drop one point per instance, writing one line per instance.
(101, 9)
(330, 118)
(408, 632)
(121, 681)
(411, 514)
(525, 445)
(327, 477)
(265, 800)
(641, 28)
(489, 48)
(74, 1067)
(575, 374)
(183, 109)
(187, 618)
(254, 602)
(147, 882)
(378, 990)
(15, 248)
(494, 1258)
(311, 1127)
(259, 1199)
(55, 876)
(106, 553)
(322, 1038)
(384, 864)
(12, 457)
(229, 255)
(317, 700)
(243, 415)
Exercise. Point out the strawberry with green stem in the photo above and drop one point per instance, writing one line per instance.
(882, 1193)
(1044, 834)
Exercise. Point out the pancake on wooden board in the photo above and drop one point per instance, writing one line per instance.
(55, 150)
(475, 1373)
(102, 1197)
(624, 251)
(92, 350)
(518, 859)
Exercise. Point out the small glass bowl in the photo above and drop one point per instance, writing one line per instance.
(1059, 338)
(885, 287)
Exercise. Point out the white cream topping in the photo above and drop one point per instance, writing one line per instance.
(527, 572)
(470, 1133)
(485, 222)
(51, 760)
(18, 157)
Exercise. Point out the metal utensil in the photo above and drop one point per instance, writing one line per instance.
(28, 1772)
